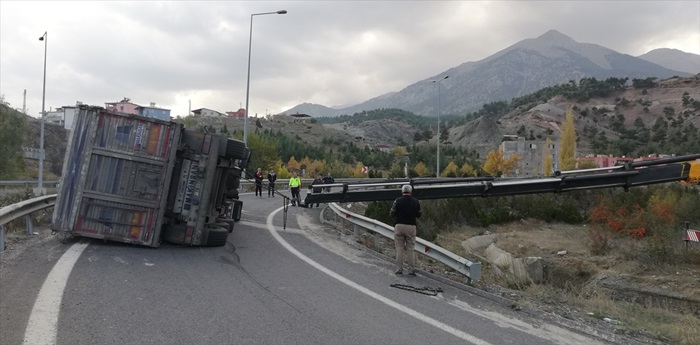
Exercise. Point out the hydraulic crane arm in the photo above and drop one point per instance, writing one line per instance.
(684, 169)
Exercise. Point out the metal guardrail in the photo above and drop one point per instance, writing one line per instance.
(24, 208)
(472, 270)
(27, 183)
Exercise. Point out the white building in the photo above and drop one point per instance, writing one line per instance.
(206, 112)
(62, 116)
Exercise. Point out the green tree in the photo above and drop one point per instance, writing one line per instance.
(396, 171)
(265, 154)
(12, 127)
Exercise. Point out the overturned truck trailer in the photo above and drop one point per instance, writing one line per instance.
(141, 180)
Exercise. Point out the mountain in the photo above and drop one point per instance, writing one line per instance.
(674, 59)
(523, 68)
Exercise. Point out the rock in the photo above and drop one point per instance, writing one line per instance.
(562, 253)
(478, 243)
(535, 269)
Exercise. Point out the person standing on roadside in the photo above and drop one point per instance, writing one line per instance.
(271, 178)
(328, 179)
(405, 210)
(316, 187)
(294, 185)
(258, 182)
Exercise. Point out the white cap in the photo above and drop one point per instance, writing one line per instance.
(406, 189)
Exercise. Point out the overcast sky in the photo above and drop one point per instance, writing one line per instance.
(334, 53)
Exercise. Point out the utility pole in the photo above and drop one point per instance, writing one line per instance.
(24, 102)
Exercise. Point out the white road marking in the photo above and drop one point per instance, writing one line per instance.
(43, 321)
(457, 333)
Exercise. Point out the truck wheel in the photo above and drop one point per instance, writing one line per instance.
(225, 223)
(217, 236)
(237, 210)
(235, 149)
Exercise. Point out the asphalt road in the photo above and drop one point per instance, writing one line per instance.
(300, 285)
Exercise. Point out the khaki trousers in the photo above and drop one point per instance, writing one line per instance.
(405, 241)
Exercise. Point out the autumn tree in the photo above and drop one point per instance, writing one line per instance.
(567, 148)
(467, 170)
(587, 164)
(400, 151)
(547, 164)
(450, 170)
(421, 170)
(498, 165)
(316, 167)
(305, 164)
(281, 170)
(357, 172)
(292, 164)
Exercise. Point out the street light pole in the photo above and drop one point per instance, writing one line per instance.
(44, 38)
(437, 167)
(247, 88)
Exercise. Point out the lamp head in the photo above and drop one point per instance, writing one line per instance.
(282, 12)
(43, 36)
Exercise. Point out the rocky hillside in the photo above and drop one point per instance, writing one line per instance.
(525, 67)
(543, 118)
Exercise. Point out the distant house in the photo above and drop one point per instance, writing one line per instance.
(300, 117)
(384, 148)
(124, 106)
(239, 114)
(206, 112)
(62, 116)
(604, 161)
(154, 112)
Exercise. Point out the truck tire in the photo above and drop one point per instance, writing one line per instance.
(237, 210)
(225, 223)
(236, 149)
(217, 236)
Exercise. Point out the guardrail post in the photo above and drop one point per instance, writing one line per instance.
(2, 238)
(356, 230)
(28, 221)
(377, 242)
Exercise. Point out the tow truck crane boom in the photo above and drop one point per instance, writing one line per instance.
(684, 169)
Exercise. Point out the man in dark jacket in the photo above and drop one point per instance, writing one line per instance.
(258, 182)
(316, 187)
(271, 178)
(405, 210)
(328, 179)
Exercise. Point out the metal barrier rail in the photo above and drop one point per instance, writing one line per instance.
(472, 270)
(28, 183)
(24, 208)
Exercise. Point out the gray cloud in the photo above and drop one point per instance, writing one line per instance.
(326, 52)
